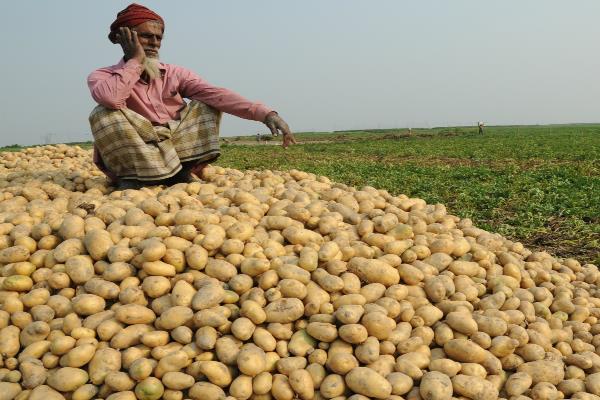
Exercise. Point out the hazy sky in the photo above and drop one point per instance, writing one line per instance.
(324, 65)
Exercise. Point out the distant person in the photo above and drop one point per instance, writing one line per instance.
(481, 125)
(144, 132)
(409, 131)
(258, 137)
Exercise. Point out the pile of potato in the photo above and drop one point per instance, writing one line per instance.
(274, 285)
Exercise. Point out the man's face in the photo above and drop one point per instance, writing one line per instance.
(150, 35)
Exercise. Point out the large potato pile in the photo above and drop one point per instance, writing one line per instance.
(274, 285)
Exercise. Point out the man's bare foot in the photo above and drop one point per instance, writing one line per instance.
(198, 169)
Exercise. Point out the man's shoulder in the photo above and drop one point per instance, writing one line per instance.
(174, 67)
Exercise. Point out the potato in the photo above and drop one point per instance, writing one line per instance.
(302, 384)
(9, 341)
(374, 271)
(134, 314)
(378, 325)
(174, 317)
(44, 392)
(368, 351)
(88, 304)
(461, 322)
(156, 286)
(254, 266)
(353, 333)
(14, 254)
(17, 283)
(129, 336)
(321, 331)
(206, 391)
(97, 242)
(284, 310)
(103, 362)
(464, 351)
(149, 389)
(369, 383)
(251, 360)
(9, 390)
(33, 373)
(332, 386)
(301, 343)
(401, 383)
(349, 314)
(67, 379)
(474, 387)
(177, 380)
(78, 356)
(159, 268)
(543, 371)
(210, 294)
(216, 372)
(435, 385)
(518, 383)
(100, 287)
(262, 383)
(241, 387)
(141, 369)
(341, 363)
(288, 364)
(196, 257)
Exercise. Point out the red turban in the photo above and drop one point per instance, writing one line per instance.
(131, 16)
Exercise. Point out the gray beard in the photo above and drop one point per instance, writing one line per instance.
(151, 68)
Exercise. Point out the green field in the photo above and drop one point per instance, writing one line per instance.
(536, 184)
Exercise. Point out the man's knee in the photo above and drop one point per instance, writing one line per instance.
(100, 112)
(203, 108)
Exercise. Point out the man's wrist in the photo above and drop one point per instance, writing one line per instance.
(269, 115)
(135, 64)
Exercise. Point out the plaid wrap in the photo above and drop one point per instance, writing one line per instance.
(132, 148)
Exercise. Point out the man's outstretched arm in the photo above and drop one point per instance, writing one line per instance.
(194, 87)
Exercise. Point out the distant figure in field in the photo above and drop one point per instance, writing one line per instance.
(258, 137)
(409, 131)
(481, 125)
(144, 132)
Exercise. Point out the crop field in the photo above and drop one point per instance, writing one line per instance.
(536, 184)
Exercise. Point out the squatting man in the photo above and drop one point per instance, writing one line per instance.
(144, 132)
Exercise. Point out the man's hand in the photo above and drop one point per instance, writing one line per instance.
(132, 48)
(277, 124)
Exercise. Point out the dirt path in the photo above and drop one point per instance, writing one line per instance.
(273, 143)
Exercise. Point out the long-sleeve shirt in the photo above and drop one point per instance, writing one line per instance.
(160, 100)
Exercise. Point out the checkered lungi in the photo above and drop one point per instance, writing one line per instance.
(130, 147)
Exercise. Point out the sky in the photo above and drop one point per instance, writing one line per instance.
(323, 65)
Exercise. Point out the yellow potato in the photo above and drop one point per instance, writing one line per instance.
(251, 360)
(67, 379)
(374, 271)
(367, 382)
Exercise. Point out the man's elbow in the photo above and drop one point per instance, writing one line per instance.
(108, 102)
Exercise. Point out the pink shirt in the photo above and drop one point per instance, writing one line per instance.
(120, 86)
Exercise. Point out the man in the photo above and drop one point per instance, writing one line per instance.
(144, 132)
